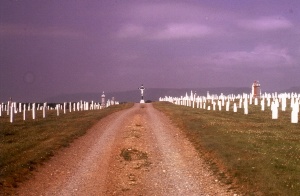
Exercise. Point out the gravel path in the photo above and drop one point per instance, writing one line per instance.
(133, 152)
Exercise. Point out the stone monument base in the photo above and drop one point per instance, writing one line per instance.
(142, 101)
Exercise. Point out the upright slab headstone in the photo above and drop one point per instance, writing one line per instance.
(44, 110)
(295, 111)
(262, 104)
(33, 111)
(246, 106)
(294, 116)
(11, 113)
(9, 106)
(274, 109)
(57, 109)
(234, 107)
(65, 105)
(24, 112)
(227, 105)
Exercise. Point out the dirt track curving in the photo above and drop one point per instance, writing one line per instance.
(133, 152)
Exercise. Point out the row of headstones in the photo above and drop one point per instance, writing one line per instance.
(273, 101)
(12, 108)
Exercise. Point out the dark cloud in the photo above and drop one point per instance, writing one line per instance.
(49, 48)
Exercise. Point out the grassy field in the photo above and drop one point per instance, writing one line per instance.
(26, 144)
(251, 152)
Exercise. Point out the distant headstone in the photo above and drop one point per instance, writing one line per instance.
(234, 107)
(33, 111)
(262, 104)
(57, 109)
(44, 109)
(65, 105)
(24, 112)
(227, 105)
(11, 113)
(274, 109)
(246, 106)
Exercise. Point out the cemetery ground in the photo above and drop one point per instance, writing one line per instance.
(145, 154)
(136, 151)
(24, 145)
(259, 155)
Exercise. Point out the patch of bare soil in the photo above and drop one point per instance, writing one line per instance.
(132, 152)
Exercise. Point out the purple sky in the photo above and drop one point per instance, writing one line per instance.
(52, 47)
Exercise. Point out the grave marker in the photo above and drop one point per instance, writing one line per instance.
(33, 111)
(24, 112)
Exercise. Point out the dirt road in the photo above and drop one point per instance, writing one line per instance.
(132, 152)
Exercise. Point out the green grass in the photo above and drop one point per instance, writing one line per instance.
(253, 153)
(26, 144)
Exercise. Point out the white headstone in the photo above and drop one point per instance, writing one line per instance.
(65, 104)
(234, 107)
(274, 109)
(294, 116)
(24, 112)
(33, 111)
(262, 104)
(57, 109)
(44, 110)
(11, 113)
(227, 105)
(246, 106)
(8, 107)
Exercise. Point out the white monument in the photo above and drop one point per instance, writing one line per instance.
(142, 93)
(103, 100)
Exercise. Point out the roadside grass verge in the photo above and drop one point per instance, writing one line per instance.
(253, 153)
(26, 144)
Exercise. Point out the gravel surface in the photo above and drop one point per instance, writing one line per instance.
(133, 152)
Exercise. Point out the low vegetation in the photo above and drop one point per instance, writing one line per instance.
(26, 144)
(258, 155)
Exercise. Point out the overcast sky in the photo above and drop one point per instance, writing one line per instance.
(52, 47)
